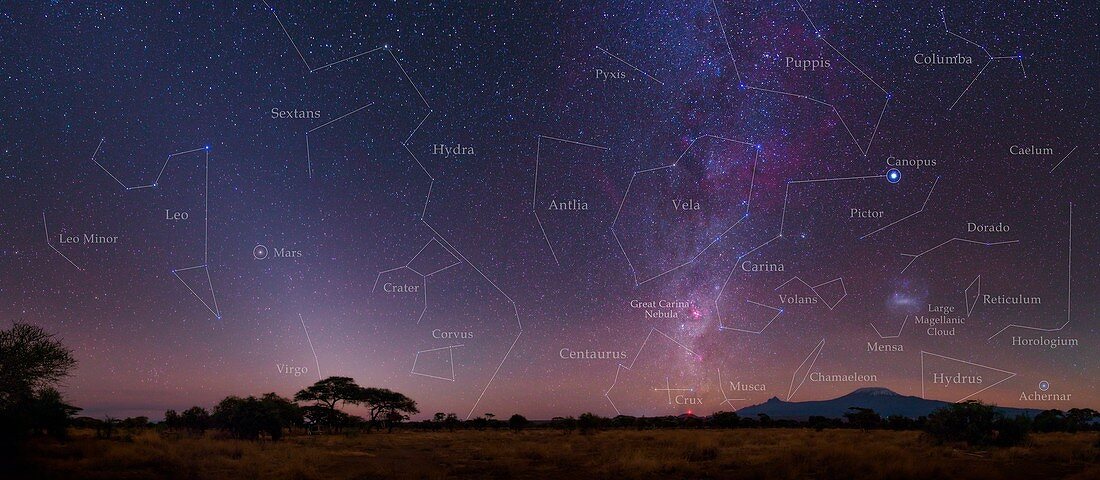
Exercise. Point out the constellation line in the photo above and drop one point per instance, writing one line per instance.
(629, 65)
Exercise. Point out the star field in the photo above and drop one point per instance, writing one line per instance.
(700, 148)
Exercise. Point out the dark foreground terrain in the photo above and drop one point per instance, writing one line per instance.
(666, 454)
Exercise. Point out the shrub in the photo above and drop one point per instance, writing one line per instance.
(518, 422)
(589, 421)
(724, 419)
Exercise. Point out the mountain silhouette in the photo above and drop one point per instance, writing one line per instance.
(883, 401)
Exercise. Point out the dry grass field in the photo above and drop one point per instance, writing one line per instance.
(665, 454)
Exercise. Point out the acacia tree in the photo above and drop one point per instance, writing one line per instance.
(384, 403)
(32, 359)
(32, 363)
(329, 392)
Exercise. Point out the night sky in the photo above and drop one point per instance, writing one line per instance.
(359, 181)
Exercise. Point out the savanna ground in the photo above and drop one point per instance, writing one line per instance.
(665, 454)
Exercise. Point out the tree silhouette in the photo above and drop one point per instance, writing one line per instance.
(50, 413)
(329, 392)
(381, 402)
(32, 363)
(247, 418)
(1050, 421)
(588, 421)
(517, 422)
(451, 421)
(976, 423)
(195, 419)
(725, 419)
(394, 418)
(863, 418)
(171, 419)
(567, 424)
(1080, 418)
